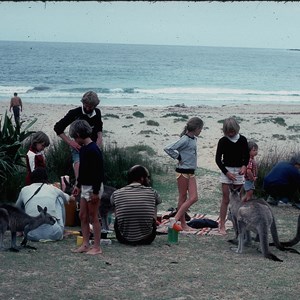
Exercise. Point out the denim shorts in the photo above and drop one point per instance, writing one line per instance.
(249, 185)
(75, 155)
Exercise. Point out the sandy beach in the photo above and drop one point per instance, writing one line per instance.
(259, 122)
(271, 126)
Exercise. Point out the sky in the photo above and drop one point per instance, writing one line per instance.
(255, 24)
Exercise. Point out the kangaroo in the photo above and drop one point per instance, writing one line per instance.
(256, 216)
(15, 219)
(4, 220)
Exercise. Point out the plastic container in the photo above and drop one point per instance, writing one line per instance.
(70, 209)
(79, 240)
(172, 234)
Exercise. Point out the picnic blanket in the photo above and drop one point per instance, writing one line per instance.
(163, 227)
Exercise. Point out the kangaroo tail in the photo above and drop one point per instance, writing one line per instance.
(296, 239)
(272, 257)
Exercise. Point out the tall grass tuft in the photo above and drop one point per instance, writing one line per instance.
(118, 161)
(59, 161)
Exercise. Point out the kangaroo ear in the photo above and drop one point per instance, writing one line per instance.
(39, 208)
(45, 209)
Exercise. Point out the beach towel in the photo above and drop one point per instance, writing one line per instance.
(200, 220)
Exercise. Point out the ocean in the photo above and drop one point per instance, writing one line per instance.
(150, 75)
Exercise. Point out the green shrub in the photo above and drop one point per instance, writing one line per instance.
(280, 137)
(11, 152)
(138, 114)
(59, 161)
(237, 118)
(106, 116)
(147, 132)
(278, 120)
(142, 148)
(175, 114)
(152, 123)
(294, 128)
(117, 161)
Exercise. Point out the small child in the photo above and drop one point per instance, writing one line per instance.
(89, 183)
(35, 157)
(251, 173)
(232, 157)
(185, 151)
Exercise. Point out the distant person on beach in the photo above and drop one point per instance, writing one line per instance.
(89, 185)
(35, 157)
(283, 182)
(88, 112)
(17, 106)
(232, 158)
(39, 192)
(185, 151)
(136, 209)
(251, 172)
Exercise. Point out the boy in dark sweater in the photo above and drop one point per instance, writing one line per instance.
(89, 183)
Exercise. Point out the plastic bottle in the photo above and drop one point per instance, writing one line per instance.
(105, 242)
(172, 234)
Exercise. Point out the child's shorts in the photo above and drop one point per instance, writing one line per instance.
(239, 178)
(249, 185)
(185, 175)
(87, 190)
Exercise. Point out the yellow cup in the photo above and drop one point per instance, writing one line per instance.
(79, 240)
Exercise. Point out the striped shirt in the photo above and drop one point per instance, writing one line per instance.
(135, 209)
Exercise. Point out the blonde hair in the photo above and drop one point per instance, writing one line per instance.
(252, 145)
(192, 124)
(90, 98)
(230, 124)
(80, 128)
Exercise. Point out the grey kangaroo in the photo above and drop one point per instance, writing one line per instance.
(256, 216)
(15, 219)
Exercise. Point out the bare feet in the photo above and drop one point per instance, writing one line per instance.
(188, 228)
(222, 230)
(94, 251)
(81, 249)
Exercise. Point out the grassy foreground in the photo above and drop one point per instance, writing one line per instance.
(199, 267)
